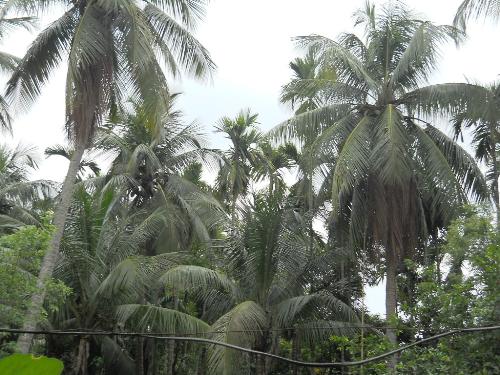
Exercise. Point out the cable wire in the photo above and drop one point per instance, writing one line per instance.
(251, 351)
(324, 328)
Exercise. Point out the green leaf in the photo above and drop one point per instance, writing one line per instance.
(27, 364)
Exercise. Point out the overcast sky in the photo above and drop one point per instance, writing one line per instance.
(250, 41)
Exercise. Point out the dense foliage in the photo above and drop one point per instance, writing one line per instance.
(270, 244)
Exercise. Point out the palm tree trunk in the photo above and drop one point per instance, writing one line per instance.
(362, 343)
(169, 365)
(139, 360)
(390, 304)
(201, 370)
(81, 366)
(295, 354)
(170, 355)
(233, 209)
(49, 260)
(261, 363)
(153, 353)
(494, 187)
(260, 366)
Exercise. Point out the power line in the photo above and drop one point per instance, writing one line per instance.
(251, 351)
(310, 328)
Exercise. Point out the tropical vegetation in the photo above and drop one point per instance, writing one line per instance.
(159, 254)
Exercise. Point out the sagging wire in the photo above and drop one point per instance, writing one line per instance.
(252, 351)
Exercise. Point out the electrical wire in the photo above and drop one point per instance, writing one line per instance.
(204, 333)
(251, 351)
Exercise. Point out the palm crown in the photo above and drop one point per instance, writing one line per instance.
(112, 49)
(235, 174)
(149, 160)
(371, 122)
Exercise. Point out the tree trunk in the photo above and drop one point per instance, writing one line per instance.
(170, 355)
(201, 370)
(260, 365)
(234, 200)
(260, 361)
(152, 361)
(81, 366)
(139, 357)
(362, 343)
(494, 187)
(50, 259)
(390, 304)
(295, 354)
(169, 363)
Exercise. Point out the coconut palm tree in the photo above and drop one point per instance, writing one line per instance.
(102, 262)
(396, 175)
(266, 290)
(112, 48)
(18, 195)
(148, 166)
(484, 119)
(235, 171)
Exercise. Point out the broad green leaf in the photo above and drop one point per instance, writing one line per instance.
(27, 364)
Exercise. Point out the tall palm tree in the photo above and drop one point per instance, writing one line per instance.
(266, 290)
(395, 175)
(112, 49)
(8, 62)
(235, 171)
(484, 119)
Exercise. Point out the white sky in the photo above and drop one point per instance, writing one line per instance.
(250, 41)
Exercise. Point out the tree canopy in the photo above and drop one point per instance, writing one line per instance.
(159, 254)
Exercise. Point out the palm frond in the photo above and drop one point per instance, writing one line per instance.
(186, 277)
(297, 126)
(475, 9)
(312, 306)
(353, 161)
(189, 11)
(420, 55)
(390, 148)
(133, 275)
(463, 164)
(446, 99)
(160, 319)
(241, 326)
(187, 50)
(8, 62)
(115, 357)
(43, 56)
(347, 66)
